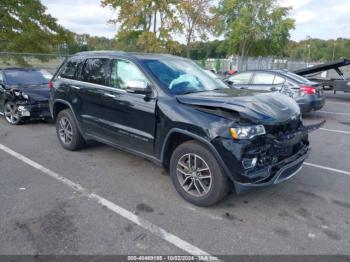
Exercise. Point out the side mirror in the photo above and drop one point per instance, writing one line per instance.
(138, 87)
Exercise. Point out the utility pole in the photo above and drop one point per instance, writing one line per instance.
(309, 56)
(334, 45)
(309, 47)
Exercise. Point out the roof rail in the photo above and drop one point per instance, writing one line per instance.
(100, 52)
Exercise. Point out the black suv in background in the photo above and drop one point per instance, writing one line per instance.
(309, 95)
(168, 110)
(24, 94)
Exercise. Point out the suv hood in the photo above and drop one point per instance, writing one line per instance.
(263, 108)
(35, 92)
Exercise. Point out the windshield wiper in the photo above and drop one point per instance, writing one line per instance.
(192, 92)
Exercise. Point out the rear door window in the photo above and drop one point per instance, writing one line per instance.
(278, 80)
(242, 78)
(96, 71)
(72, 68)
(263, 79)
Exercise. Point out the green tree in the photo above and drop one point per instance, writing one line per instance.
(203, 63)
(196, 20)
(25, 27)
(217, 65)
(154, 20)
(253, 27)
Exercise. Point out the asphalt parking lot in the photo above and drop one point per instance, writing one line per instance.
(103, 201)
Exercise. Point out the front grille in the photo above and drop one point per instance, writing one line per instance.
(279, 130)
(41, 104)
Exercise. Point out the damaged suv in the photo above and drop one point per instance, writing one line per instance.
(24, 94)
(168, 110)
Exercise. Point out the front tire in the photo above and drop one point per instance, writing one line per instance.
(67, 131)
(196, 174)
(11, 113)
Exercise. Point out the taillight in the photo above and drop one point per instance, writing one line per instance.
(50, 84)
(309, 90)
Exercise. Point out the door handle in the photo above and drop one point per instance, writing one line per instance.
(75, 87)
(109, 95)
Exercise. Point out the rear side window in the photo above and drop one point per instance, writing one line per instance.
(96, 71)
(241, 78)
(263, 79)
(278, 80)
(71, 69)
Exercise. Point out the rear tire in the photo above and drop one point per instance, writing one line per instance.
(67, 131)
(197, 176)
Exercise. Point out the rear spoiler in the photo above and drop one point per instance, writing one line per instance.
(324, 67)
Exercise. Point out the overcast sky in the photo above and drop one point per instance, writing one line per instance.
(323, 19)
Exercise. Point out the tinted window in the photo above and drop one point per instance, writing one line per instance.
(242, 78)
(71, 69)
(278, 80)
(263, 79)
(123, 71)
(96, 71)
(25, 77)
(297, 78)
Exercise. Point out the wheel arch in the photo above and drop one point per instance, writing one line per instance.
(177, 136)
(58, 106)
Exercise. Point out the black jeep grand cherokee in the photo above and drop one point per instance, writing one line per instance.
(168, 110)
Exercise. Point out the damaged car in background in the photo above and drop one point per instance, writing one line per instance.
(24, 94)
(164, 108)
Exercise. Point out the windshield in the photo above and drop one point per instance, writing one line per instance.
(297, 78)
(181, 76)
(25, 77)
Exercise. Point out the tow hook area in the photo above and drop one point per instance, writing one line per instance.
(23, 111)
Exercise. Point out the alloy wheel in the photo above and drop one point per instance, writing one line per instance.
(11, 113)
(65, 130)
(194, 175)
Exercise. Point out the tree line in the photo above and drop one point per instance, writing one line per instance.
(244, 27)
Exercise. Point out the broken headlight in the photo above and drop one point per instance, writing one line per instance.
(25, 96)
(20, 94)
(247, 132)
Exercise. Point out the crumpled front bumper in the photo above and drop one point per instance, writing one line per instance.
(37, 110)
(278, 172)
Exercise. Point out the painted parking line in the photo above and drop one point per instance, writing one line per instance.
(154, 229)
(328, 168)
(334, 113)
(339, 103)
(334, 130)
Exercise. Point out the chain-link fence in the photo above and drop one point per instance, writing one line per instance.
(253, 63)
(50, 62)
